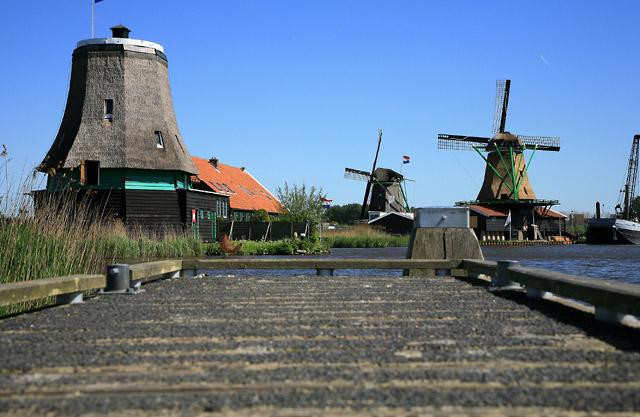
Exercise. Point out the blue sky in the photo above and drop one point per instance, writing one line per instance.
(296, 90)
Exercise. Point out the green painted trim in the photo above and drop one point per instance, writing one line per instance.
(507, 167)
(490, 165)
(526, 168)
(513, 174)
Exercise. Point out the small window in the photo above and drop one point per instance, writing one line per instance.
(159, 140)
(108, 109)
(90, 172)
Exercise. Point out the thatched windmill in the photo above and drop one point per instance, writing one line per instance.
(506, 183)
(119, 140)
(384, 191)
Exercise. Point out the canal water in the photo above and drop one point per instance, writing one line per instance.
(621, 263)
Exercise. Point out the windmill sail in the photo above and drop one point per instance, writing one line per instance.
(356, 174)
(502, 101)
(460, 142)
(541, 143)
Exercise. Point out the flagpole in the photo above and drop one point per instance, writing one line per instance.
(510, 235)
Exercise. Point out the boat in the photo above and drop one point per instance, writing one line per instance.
(613, 231)
(624, 228)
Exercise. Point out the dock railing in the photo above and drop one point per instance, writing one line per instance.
(612, 300)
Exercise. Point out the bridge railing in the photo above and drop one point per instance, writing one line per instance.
(612, 300)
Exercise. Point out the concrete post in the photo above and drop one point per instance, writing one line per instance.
(501, 279)
(118, 280)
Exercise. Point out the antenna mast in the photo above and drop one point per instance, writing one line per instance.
(632, 177)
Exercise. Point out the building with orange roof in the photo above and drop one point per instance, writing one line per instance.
(246, 194)
(492, 223)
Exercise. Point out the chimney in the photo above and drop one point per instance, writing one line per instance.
(242, 168)
(120, 31)
(214, 161)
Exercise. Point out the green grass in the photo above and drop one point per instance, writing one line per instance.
(281, 247)
(363, 237)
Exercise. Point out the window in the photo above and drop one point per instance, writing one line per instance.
(90, 172)
(108, 109)
(159, 140)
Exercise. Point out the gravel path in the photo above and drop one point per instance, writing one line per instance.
(386, 346)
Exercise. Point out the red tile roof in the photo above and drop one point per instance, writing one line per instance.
(549, 213)
(244, 191)
(488, 212)
(492, 212)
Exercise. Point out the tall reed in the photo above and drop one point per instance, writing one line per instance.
(363, 236)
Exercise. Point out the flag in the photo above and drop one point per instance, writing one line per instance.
(508, 222)
(326, 203)
(97, 1)
(406, 159)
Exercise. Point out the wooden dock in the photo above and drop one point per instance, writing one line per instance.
(319, 345)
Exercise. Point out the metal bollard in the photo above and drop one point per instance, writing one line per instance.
(443, 272)
(501, 279)
(118, 280)
(323, 272)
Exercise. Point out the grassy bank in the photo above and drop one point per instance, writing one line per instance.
(363, 237)
(278, 247)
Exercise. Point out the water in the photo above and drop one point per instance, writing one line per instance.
(616, 262)
(621, 263)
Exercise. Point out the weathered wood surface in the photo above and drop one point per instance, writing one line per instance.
(148, 270)
(474, 266)
(615, 296)
(18, 292)
(315, 263)
(304, 345)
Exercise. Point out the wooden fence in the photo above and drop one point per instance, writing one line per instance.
(612, 300)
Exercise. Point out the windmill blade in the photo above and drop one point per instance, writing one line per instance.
(459, 142)
(541, 143)
(356, 174)
(502, 101)
(367, 197)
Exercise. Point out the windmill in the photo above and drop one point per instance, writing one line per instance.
(505, 177)
(506, 184)
(384, 191)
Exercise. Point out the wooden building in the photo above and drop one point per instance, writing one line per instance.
(245, 193)
(119, 146)
(490, 223)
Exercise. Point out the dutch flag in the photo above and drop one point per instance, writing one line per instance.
(326, 203)
(406, 159)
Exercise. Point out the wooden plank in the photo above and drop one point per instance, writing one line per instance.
(476, 266)
(148, 270)
(41, 288)
(315, 263)
(615, 296)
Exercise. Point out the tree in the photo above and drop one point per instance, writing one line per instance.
(260, 216)
(302, 204)
(346, 214)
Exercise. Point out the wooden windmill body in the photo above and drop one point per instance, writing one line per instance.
(506, 187)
